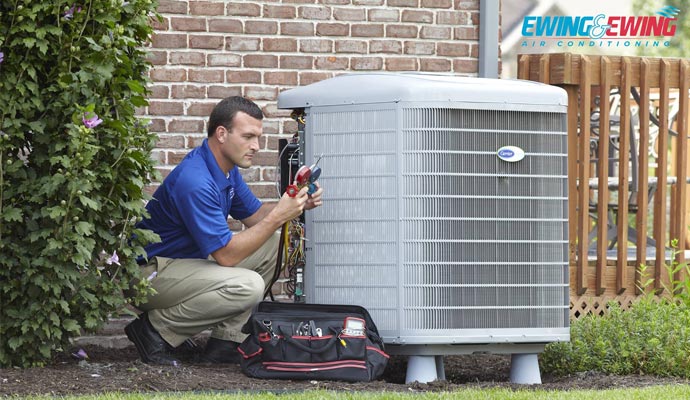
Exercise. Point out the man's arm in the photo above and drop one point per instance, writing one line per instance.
(244, 243)
(312, 202)
(259, 215)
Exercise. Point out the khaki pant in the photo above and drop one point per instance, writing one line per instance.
(196, 294)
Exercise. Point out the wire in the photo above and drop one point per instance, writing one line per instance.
(279, 263)
(293, 245)
(279, 174)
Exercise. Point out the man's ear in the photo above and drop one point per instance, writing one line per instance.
(221, 133)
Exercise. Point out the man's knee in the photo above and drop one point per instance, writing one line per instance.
(248, 288)
(256, 286)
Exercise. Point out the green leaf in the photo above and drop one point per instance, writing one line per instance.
(136, 86)
(53, 244)
(15, 342)
(44, 349)
(84, 228)
(12, 214)
(56, 212)
(29, 42)
(105, 70)
(54, 319)
(64, 306)
(94, 46)
(70, 325)
(87, 202)
(147, 235)
(91, 323)
(43, 47)
(139, 101)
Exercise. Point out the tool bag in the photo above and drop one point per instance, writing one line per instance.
(312, 342)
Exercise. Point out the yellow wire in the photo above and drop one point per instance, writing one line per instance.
(285, 241)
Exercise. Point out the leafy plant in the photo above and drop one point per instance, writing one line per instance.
(74, 160)
(679, 276)
(652, 337)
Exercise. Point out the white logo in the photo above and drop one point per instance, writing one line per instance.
(510, 153)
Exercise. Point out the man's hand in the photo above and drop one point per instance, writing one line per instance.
(315, 199)
(289, 208)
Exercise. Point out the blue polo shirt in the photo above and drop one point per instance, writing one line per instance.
(189, 211)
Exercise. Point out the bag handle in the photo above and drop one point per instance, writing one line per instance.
(308, 349)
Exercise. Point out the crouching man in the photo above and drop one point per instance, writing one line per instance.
(205, 276)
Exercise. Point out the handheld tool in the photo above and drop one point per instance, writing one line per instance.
(305, 176)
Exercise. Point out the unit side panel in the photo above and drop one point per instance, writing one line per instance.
(353, 236)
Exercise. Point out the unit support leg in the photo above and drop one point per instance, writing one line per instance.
(425, 369)
(524, 369)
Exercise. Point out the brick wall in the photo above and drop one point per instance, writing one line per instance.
(203, 51)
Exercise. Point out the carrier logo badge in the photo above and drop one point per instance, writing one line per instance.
(510, 153)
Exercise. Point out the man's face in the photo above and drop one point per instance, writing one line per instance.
(239, 145)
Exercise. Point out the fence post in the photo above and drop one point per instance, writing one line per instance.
(643, 175)
(583, 176)
(623, 203)
(682, 166)
(660, 273)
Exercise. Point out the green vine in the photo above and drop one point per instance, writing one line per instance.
(74, 161)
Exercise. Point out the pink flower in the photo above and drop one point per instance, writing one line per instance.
(114, 259)
(91, 122)
(80, 355)
(70, 13)
(2, 57)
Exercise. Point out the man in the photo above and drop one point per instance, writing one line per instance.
(204, 275)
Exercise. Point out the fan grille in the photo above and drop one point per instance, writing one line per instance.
(426, 227)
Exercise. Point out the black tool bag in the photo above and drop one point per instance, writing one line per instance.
(312, 342)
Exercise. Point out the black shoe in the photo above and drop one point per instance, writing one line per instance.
(220, 351)
(152, 348)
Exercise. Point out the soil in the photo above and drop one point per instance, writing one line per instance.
(120, 370)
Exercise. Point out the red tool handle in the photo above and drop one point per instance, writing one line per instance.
(292, 190)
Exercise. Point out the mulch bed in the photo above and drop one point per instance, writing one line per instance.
(119, 370)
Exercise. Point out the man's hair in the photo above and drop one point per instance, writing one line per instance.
(224, 112)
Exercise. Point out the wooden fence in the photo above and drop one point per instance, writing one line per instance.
(628, 169)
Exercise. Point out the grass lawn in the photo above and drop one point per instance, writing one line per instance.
(655, 392)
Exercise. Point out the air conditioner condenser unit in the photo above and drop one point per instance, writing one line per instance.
(445, 212)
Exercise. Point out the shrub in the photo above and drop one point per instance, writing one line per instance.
(652, 338)
(74, 160)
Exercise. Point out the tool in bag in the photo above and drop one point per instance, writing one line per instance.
(312, 342)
